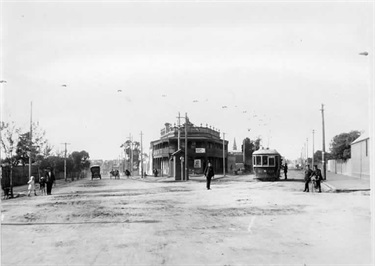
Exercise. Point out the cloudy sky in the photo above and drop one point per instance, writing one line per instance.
(272, 64)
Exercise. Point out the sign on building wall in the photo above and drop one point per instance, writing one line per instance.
(200, 150)
(197, 163)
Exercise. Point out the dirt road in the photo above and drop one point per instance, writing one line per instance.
(143, 222)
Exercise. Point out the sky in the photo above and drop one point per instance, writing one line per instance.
(130, 67)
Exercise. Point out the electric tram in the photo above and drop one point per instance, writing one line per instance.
(267, 164)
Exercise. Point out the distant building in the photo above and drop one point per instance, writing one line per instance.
(360, 156)
(203, 144)
(234, 144)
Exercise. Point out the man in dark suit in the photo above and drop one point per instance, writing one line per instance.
(209, 173)
(308, 173)
(318, 177)
(286, 170)
(50, 179)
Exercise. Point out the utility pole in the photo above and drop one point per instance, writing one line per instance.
(179, 144)
(31, 136)
(179, 132)
(141, 156)
(65, 143)
(186, 148)
(313, 147)
(224, 154)
(131, 154)
(323, 147)
(307, 150)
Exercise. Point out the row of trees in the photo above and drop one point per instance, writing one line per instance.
(18, 147)
(340, 148)
(340, 145)
(133, 149)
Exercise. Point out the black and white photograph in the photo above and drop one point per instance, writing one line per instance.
(202, 132)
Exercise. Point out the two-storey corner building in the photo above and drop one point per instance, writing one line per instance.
(203, 145)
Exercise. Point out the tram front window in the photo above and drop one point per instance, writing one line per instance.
(271, 161)
(264, 160)
(259, 160)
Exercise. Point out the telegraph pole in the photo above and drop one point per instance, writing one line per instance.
(307, 150)
(65, 143)
(224, 154)
(179, 144)
(131, 154)
(313, 147)
(186, 148)
(323, 147)
(179, 132)
(31, 136)
(141, 156)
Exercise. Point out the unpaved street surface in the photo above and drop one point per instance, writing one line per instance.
(148, 222)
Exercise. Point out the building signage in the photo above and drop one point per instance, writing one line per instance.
(200, 150)
(197, 163)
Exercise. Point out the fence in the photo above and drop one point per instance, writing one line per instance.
(20, 175)
(340, 167)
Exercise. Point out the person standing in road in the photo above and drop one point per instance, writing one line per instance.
(155, 172)
(50, 179)
(286, 170)
(209, 173)
(317, 173)
(31, 186)
(42, 185)
(307, 178)
(127, 173)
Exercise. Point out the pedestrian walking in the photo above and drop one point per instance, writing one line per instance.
(42, 185)
(209, 173)
(31, 186)
(286, 171)
(127, 173)
(308, 173)
(317, 174)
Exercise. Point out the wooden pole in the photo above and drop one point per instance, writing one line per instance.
(223, 154)
(323, 146)
(31, 136)
(186, 148)
(141, 156)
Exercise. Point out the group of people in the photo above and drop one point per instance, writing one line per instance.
(313, 176)
(45, 183)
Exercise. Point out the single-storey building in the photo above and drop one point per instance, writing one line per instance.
(360, 156)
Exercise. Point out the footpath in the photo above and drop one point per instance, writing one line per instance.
(344, 183)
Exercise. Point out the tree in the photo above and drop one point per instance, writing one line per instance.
(318, 156)
(340, 144)
(57, 163)
(25, 147)
(135, 152)
(248, 147)
(9, 137)
(80, 160)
